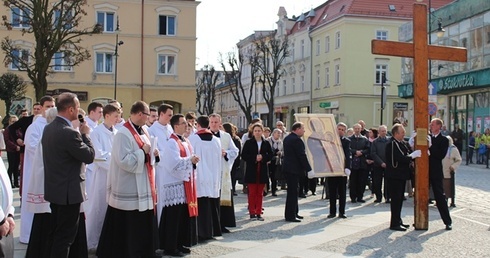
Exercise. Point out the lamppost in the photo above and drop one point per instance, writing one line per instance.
(383, 96)
(116, 54)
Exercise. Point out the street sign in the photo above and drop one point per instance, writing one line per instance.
(432, 108)
(330, 104)
(432, 88)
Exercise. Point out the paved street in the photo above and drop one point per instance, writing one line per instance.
(364, 233)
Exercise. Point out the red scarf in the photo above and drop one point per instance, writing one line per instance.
(190, 186)
(149, 167)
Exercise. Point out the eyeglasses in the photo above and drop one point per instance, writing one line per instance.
(144, 113)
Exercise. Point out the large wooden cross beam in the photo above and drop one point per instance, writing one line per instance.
(421, 52)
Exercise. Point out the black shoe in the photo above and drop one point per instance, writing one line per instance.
(293, 220)
(398, 228)
(302, 196)
(225, 230)
(404, 225)
(361, 201)
(235, 194)
(313, 194)
(174, 253)
(299, 217)
(184, 250)
(274, 194)
(259, 218)
(377, 201)
(330, 216)
(253, 217)
(353, 201)
(452, 205)
(388, 201)
(449, 227)
(342, 216)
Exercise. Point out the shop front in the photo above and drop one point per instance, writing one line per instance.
(466, 99)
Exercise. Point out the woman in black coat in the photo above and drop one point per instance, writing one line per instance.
(256, 153)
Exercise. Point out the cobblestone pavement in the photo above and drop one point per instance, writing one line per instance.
(364, 233)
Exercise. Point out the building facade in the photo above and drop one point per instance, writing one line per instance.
(460, 91)
(155, 61)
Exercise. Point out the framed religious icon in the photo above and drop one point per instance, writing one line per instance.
(323, 146)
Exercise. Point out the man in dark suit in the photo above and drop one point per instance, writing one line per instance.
(438, 145)
(359, 147)
(295, 165)
(65, 152)
(337, 184)
(398, 161)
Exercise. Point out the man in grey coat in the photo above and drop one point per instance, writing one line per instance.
(378, 148)
(65, 152)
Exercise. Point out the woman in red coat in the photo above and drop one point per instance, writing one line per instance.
(256, 153)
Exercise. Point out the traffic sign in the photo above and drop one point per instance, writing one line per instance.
(432, 108)
(432, 88)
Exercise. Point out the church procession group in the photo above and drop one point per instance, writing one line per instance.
(165, 181)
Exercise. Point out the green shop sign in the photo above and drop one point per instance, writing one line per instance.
(454, 83)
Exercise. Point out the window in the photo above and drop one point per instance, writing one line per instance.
(327, 76)
(20, 18)
(166, 64)
(317, 47)
(103, 62)
(293, 81)
(317, 79)
(337, 39)
(302, 48)
(382, 35)
(276, 91)
(380, 72)
(284, 87)
(337, 74)
(292, 51)
(66, 20)
(327, 44)
(302, 84)
(61, 62)
(166, 25)
(106, 20)
(20, 57)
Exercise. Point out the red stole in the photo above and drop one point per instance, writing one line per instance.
(190, 186)
(149, 167)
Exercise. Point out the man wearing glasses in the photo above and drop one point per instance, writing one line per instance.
(129, 227)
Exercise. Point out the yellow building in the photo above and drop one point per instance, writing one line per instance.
(346, 77)
(154, 63)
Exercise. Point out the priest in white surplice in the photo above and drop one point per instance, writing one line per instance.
(32, 139)
(94, 110)
(229, 154)
(161, 130)
(179, 200)
(130, 228)
(208, 179)
(96, 205)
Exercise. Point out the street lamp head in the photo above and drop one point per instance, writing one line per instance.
(440, 29)
(120, 42)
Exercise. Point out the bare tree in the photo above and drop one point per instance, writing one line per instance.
(242, 94)
(206, 90)
(55, 27)
(12, 87)
(271, 52)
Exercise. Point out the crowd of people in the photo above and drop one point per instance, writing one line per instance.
(98, 183)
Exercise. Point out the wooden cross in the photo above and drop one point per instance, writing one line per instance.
(421, 52)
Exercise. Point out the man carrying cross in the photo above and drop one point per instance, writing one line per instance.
(421, 53)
